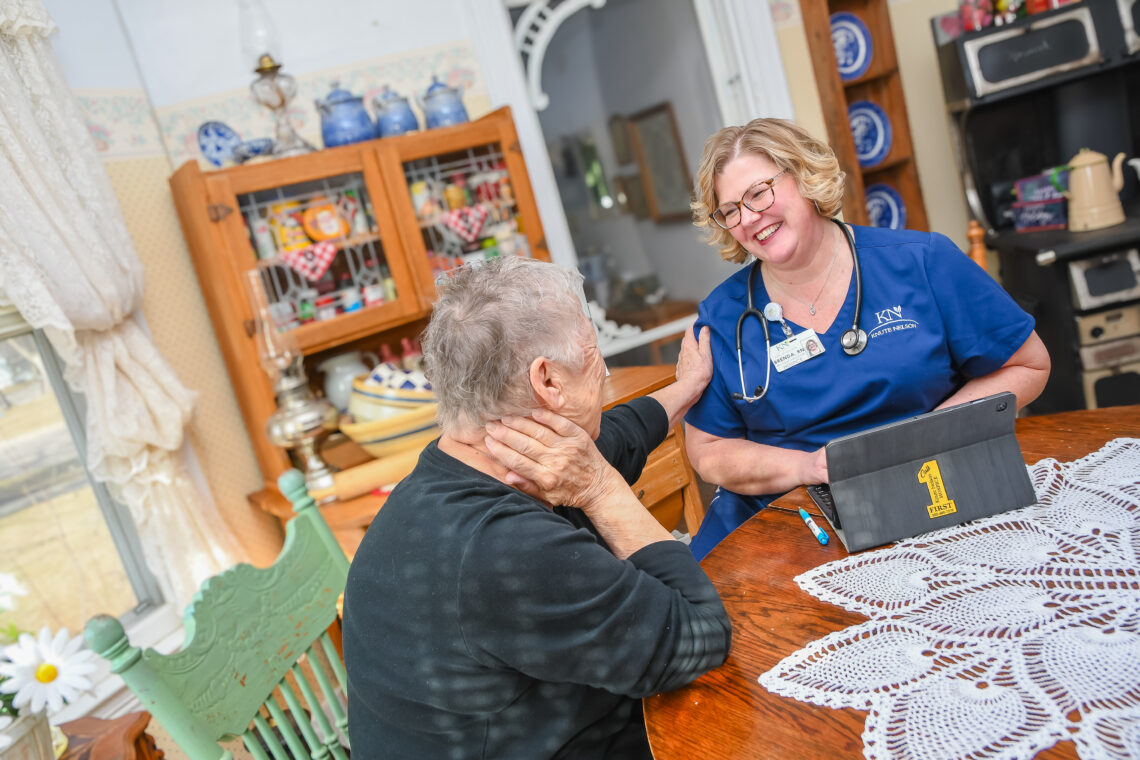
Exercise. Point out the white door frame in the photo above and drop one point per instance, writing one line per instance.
(744, 57)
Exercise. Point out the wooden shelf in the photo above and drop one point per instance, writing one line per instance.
(340, 242)
(881, 85)
(887, 165)
(368, 237)
(492, 209)
(330, 333)
(873, 74)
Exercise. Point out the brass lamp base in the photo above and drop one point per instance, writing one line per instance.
(301, 422)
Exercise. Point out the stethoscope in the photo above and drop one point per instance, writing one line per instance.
(853, 340)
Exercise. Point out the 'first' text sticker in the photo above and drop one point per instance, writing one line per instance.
(940, 504)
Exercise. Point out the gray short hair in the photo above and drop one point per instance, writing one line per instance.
(490, 322)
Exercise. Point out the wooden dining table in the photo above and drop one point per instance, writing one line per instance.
(726, 713)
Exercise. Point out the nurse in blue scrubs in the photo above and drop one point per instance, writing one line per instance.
(939, 331)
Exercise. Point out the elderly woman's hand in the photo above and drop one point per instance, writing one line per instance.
(551, 459)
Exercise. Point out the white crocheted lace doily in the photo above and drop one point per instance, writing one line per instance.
(996, 638)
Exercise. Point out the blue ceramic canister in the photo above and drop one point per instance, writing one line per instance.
(344, 119)
(393, 114)
(442, 105)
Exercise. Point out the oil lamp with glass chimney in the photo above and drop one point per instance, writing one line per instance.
(302, 421)
(261, 49)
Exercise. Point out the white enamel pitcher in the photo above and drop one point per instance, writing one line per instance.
(339, 371)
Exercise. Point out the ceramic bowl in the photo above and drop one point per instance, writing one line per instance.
(369, 401)
(217, 141)
(408, 429)
(244, 151)
(393, 375)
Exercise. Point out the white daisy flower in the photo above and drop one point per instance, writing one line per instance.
(46, 671)
(5, 741)
(10, 588)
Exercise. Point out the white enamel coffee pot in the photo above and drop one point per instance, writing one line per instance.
(1093, 196)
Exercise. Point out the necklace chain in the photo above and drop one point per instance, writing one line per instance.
(811, 305)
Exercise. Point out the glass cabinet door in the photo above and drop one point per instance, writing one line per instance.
(461, 194)
(331, 255)
(465, 206)
(323, 246)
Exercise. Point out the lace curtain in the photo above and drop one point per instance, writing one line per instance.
(68, 265)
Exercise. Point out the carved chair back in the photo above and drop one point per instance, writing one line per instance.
(257, 661)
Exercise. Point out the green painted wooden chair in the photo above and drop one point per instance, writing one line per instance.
(251, 644)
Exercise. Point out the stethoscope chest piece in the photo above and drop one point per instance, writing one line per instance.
(853, 340)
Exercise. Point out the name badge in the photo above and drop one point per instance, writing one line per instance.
(796, 350)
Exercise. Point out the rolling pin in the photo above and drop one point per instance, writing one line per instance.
(363, 478)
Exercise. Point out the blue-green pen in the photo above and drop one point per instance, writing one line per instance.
(815, 529)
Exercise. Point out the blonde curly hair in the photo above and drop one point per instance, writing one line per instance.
(810, 161)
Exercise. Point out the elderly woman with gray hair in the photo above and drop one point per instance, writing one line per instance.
(513, 598)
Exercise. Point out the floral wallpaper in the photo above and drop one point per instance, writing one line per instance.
(120, 123)
(785, 12)
(123, 125)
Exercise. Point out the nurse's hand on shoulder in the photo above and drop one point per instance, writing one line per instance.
(551, 459)
(813, 467)
(693, 372)
(695, 363)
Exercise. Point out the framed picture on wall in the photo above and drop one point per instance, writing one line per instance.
(631, 195)
(619, 137)
(664, 175)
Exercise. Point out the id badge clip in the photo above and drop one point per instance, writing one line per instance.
(796, 350)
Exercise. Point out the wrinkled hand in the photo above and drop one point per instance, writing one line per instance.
(695, 363)
(813, 467)
(551, 459)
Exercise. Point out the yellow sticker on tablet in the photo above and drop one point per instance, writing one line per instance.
(940, 504)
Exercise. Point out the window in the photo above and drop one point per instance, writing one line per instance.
(62, 535)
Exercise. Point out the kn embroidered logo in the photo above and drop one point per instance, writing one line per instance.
(890, 320)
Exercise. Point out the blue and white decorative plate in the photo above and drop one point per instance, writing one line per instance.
(217, 142)
(872, 132)
(885, 207)
(852, 41)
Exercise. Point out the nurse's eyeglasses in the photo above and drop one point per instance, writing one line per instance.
(757, 199)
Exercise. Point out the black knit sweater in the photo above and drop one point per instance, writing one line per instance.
(480, 624)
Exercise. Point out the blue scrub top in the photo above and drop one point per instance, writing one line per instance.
(933, 318)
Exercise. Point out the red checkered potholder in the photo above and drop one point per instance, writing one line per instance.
(466, 221)
(311, 262)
